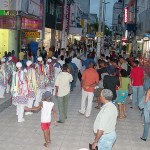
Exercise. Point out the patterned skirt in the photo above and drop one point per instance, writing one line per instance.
(19, 100)
(31, 94)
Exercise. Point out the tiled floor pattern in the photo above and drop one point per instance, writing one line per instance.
(74, 134)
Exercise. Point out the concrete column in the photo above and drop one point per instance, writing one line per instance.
(53, 37)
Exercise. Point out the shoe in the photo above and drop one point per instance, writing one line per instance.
(142, 139)
(60, 122)
(28, 113)
(21, 120)
(81, 112)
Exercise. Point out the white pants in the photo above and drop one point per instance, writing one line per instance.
(8, 88)
(86, 96)
(30, 102)
(2, 91)
(20, 111)
(38, 98)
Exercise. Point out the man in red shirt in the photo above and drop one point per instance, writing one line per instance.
(90, 79)
(137, 80)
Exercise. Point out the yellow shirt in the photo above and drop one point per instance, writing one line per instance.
(21, 55)
(50, 54)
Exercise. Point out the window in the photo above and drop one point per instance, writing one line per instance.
(52, 8)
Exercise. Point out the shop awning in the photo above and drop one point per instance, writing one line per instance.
(75, 31)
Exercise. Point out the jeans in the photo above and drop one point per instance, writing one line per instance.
(63, 107)
(146, 129)
(137, 95)
(86, 95)
(107, 141)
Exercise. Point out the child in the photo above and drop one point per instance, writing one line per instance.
(46, 109)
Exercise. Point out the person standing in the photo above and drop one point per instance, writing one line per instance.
(137, 81)
(62, 85)
(90, 79)
(105, 123)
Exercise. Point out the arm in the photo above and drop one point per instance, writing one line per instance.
(97, 137)
(147, 96)
(55, 115)
(34, 108)
(56, 92)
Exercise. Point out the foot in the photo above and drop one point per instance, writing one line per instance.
(97, 107)
(142, 139)
(28, 113)
(21, 120)
(60, 122)
(81, 112)
(45, 144)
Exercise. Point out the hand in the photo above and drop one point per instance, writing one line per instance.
(56, 123)
(94, 146)
(56, 94)
(26, 108)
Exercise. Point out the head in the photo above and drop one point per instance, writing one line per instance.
(106, 96)
(115, 63)
(102, 63)
(13, 52)
(121, 59)
(124, 73)
(40, 60)
(19, 65)
(29, 63)
(111, 70)
(65, 68)
(67, 60)
(46, 96)
(75, 55)
(135, 63)
(62, 57)
(102, 57)
(91, 65)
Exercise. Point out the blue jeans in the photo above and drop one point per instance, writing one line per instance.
(146, 129)
(107, 141)
(137, 95)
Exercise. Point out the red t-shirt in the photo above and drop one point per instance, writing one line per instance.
(137, 76)
(90, 76)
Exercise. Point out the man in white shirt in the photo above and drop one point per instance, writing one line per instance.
(123, 63)
(105, 123)
(61, 61)
(62, 92)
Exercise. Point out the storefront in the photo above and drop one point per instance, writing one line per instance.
(146, 47)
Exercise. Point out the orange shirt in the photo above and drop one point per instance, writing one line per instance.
(89, 77)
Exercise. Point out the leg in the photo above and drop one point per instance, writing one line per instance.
(38, 97)
(20, 112)
(61, 109)
(46, 134)
(89, 105)
(83, 101)
(2, 91)
(134, 97)
(30, 105)
(66, 105)
(8, 88)
(146, 129)
(140, 94)
(75, 78)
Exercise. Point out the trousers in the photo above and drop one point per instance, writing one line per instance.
(2, 91)
(86, 96)
(20, 111)
(63, 107)
(146, 129)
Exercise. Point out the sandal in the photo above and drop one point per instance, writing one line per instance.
(97, 107)
(45, 144)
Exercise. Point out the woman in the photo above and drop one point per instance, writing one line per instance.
(123, 93)
(146, 115)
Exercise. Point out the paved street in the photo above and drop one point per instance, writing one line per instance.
(74, 134)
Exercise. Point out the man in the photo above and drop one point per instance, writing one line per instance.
(61, 61)
(90, 79)
(137, 80)
(105, 123)
(62, 92)
(123, 63)
(21, 55)
(111, 81)
(87, 61)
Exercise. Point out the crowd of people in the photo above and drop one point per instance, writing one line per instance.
(112, 79)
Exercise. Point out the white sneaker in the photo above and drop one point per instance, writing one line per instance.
(21, 120)
(28, 113)
(81, 112)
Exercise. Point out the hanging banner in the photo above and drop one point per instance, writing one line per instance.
(67, 16)
(8, 4)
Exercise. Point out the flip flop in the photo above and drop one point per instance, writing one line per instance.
(45, 145)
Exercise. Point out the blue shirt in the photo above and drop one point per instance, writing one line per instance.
(87, 61)
(147, 84)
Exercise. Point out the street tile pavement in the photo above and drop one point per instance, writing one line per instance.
(75, 133)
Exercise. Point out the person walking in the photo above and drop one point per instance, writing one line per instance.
(105, 123)
(90, 79)
(62, 85)
(137, 80)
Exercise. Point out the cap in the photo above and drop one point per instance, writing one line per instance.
(3, 60)
(39, 59)
(49, 60)
(29, 63)
(54, 57)
(47, 94)
(19, 65)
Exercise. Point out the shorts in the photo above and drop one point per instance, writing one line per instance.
(45, 126)
(121, 96)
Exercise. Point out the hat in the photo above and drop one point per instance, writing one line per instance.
(3, 60)
(29, 63)
(49, 60)
(54, 57)
(10, 58)
(47, 94)
(39, 59)
(19, 65)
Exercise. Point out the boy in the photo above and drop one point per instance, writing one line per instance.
(46, 109)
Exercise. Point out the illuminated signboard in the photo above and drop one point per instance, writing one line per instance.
(33, 35)
(7, 13)
(126, 14)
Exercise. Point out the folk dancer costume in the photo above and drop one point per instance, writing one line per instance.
(41, 85)
(19, 90)
(3, 78)
(50, 75)
(32, 85)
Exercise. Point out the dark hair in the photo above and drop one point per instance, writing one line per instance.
(67, 60)
(136, 62)
(102, 55)
(62, 57)
(75, 55)
(115, 61)
(65, 67)
(123, 73)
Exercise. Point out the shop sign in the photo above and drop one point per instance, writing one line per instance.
(33, 35)
(8, 4)
(7, 22)
(67, 16)
(126, 14)
(7, 13)
(31, 24)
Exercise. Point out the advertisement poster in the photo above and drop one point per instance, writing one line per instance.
(8, 4)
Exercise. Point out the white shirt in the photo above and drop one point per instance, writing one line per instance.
(61, 62)
(63, 82)
(124, 66)
(46, 111)
(106, 118)
(77, 62)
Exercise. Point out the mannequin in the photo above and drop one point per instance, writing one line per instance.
(19, 90)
